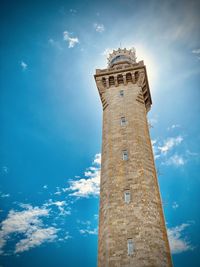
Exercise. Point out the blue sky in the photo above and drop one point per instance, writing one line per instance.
(51, 119)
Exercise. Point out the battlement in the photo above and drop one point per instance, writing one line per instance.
(124, 72)
(121, 56)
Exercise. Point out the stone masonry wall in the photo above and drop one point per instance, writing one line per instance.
(142, 219)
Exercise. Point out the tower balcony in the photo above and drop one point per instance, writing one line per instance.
(124, 73)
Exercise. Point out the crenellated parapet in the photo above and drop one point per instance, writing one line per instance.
(123, 72)
(120, 56)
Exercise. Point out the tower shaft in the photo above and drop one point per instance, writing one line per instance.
(132, 229)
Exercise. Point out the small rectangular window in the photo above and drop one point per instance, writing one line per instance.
(121, 93)
(130, 246)
(123, 121)
(127, 196)
(125, 155)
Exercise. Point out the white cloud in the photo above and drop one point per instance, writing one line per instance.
(3, 195)
(72, 41)
(85, 187)
(36, 238)
(21, 221)
(73, 11)
(99, 27)
(96, 216)
(27, 222)
(58, 191)
(152, 121)
(5, 169)
(190, 153)
(87, 223)
(23, 65)
(178, 243)
(61, 205)
(86, 228)
(153, 142)
(173, 126)
(65, 237)
(170, 143)
(89, 231)
(155, 149)
(97, 159)
(165, 151)
(196, 51)
(51, 41)
(89, 185)
(45, 186)
(55, 44)
(107, 51)
(176, 160)
(175, 205)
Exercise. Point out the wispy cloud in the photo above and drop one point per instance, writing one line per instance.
(152, 121)
(55, 44)
(155, 149)
(191, 154)
(23, 65)
(5, 169)
(97, 159)
(96, 216)
(176, 160)
(196, 51)
(178, 242)
(72, 41)
(61, 205)
(86, 228)
(89, 231)
(89, 185)
(3, 195)
(168, 153)
(107, 51)
(170, 143)
(58, 191)
(27, 222)
(175, 205)
(173, 126)
(73, 11)
(99, 27)
(36, 238)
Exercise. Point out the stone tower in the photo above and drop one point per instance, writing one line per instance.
(132, 230)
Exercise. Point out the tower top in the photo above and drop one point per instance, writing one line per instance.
(122, 56)
(122, 70)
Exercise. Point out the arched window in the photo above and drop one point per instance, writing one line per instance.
(128, 77)
(120, 79)
(111, 81)
(104, 81)
(136, 76)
